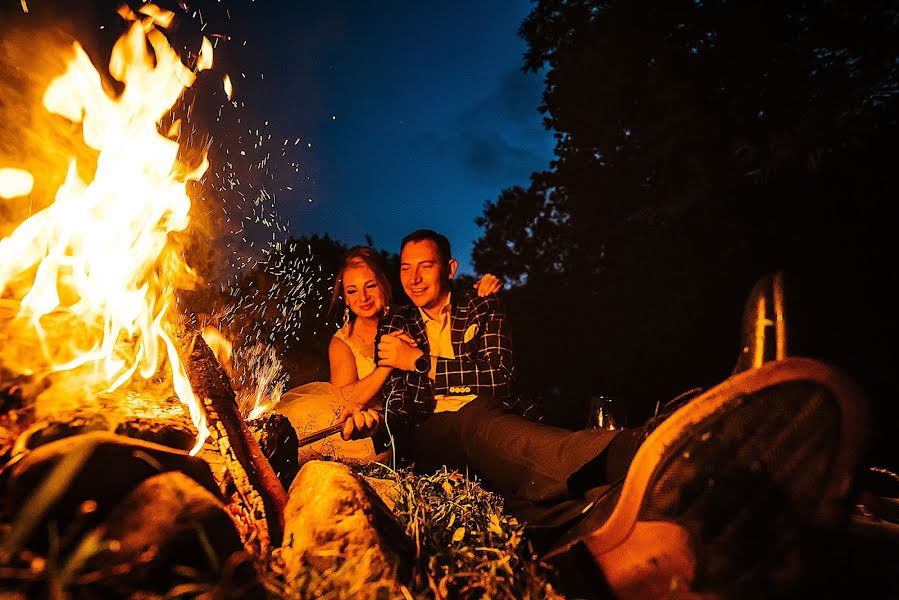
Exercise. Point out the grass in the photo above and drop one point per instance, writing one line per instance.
(464, 547)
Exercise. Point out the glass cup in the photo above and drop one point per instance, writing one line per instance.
(603, 413)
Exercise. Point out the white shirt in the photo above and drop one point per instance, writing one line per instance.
(440, 341)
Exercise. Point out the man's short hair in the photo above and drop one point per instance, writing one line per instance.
(443, 246)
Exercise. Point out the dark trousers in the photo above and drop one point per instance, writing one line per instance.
(546, 474)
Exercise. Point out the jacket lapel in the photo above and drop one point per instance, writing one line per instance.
(417, 330)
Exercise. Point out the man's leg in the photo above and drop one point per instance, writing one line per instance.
(524, 460)
(720, 496)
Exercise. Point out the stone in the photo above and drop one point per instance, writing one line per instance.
(165, 527)
(77, 480)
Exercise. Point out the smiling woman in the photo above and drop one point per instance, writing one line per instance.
(361, 286)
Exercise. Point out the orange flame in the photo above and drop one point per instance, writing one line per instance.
(98, 264)
(221, 348)
(229, 87)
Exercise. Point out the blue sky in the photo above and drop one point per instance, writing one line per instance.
(418, 112)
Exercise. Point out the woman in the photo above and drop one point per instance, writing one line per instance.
(362, 287)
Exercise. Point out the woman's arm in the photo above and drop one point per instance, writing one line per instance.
(357, 392)
(342, 363)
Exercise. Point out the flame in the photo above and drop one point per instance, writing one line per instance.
(221, 348)
(95, 273)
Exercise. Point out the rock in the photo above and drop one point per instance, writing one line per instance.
(167, 526)
(82, 477)
(334, 517)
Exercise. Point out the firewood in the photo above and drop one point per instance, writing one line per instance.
(262, 492)
(161, 421)
(278, 440)
(333, 517)
(107, 467)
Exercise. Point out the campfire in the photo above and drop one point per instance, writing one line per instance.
(89, 317)
(136, 455)
(88, 283)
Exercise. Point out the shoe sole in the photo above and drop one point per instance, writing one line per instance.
(720, 492)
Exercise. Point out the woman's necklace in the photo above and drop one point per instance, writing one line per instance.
(365, 339)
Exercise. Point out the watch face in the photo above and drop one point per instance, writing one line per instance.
(422, 364)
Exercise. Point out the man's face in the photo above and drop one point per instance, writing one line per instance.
(423, 276)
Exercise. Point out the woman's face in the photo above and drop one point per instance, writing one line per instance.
(360, 288)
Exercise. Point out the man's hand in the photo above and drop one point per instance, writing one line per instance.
(396, 351)
(488, 284)
(361, 424)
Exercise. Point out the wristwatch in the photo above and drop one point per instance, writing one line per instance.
(423, 364)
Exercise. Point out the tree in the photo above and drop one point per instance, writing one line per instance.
(700, 145)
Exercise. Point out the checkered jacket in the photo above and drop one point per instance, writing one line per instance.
(483, 363)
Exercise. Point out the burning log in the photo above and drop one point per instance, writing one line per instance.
(257, 483)
(161, 421)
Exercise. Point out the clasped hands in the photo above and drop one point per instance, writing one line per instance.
(398, 350)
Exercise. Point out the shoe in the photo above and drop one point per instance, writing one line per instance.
(719, 497)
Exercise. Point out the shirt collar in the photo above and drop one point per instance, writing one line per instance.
(441, 314)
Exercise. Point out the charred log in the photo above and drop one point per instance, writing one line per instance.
(165, 422)
(262, 492)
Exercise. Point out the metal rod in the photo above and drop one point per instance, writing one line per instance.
(320, 434)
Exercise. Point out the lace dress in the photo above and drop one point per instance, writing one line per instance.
(317, 405)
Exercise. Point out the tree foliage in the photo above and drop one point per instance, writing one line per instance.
(699, 145)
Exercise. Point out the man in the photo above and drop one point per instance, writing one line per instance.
(447, 395)
(763, 455)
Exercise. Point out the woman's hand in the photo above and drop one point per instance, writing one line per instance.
(488, 284)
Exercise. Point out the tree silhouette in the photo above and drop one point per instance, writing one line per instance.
(700, 145)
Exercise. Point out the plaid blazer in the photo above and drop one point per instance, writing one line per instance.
(483, 363)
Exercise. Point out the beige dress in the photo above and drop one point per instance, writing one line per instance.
(317, 405)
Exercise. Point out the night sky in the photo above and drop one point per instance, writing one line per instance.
(416, 112)
(355, 118)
